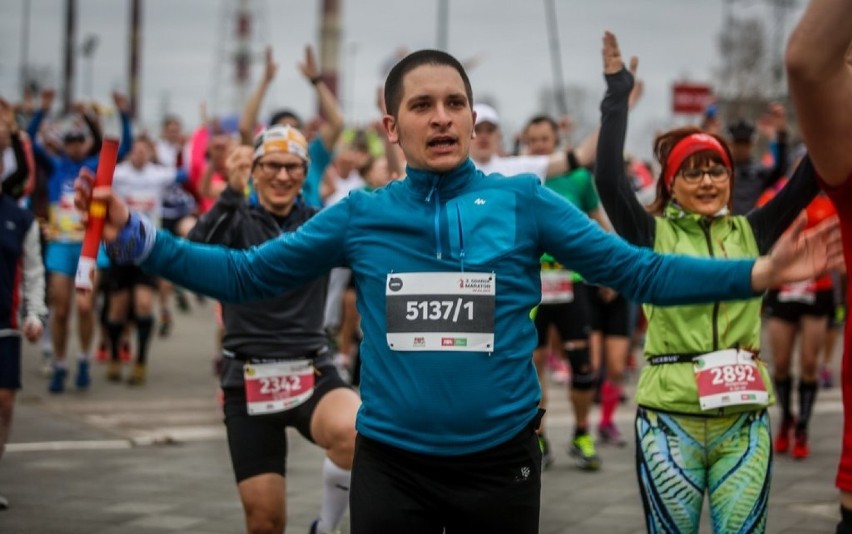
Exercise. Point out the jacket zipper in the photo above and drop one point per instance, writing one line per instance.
(437, 193)
(461, 237)
(705, 226)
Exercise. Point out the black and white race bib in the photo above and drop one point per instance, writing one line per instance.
(440, 311)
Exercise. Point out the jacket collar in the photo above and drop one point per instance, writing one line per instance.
(674, 212)
(448, 184)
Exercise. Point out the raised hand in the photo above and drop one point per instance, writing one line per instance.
(612, 60)
(566, 126)
(7, 115)
(238, 167)
(309, 67)
(47, 97)
(122, 103)
(270, 67)
(638, 85)
(613, 63)
(117, 212)
(801, 255)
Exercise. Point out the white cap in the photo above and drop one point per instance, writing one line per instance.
(485, 113)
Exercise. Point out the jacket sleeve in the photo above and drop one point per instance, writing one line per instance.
(263, 271)
(126, 136)
(628, 217)
(215, 225)
(771, 220)
(34, 303)
(97, 134)
(639, 273)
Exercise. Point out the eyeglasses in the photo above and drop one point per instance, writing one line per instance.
(273, 167)
(719, 173)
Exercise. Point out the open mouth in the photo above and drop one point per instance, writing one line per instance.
(442, 142)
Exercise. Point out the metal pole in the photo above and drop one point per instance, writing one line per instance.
(87, 49)
(555, 57)
(135, 48)
(443, 24)
(25, 45)
(780, 11)
(350, 103)
(70, 38)
(329, 50)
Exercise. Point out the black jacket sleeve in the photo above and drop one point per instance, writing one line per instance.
(628, 216)
(97, 135)
(772, 219)
(216, 226)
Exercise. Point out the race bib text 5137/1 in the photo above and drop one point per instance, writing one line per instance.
(440, 311)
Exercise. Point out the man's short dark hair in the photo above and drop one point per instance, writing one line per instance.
(393, 84)
(544, 119)
(538, 119)
(280, 115)
(741, 131)
(169, 119)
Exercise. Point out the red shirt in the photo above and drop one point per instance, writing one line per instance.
(842, 198)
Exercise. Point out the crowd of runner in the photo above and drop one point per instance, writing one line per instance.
(345, 246)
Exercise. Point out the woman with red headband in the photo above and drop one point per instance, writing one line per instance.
(702, 424)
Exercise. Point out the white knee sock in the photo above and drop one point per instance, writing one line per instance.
(335, 496)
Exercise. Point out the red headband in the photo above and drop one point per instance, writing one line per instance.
(688, 146)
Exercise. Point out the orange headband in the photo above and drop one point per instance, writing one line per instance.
(688, 146)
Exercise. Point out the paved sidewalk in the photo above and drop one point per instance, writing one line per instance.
(154, 459)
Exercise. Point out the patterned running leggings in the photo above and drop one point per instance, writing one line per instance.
(680, 457)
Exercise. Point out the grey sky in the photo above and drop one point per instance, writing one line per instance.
(184, 39)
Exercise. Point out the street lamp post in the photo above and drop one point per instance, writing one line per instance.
(87, 50)
(25, 46)
(443, 24)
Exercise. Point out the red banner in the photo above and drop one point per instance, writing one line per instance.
(691, 98)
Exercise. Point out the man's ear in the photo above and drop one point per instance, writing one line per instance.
(389, 122)
(473, 131)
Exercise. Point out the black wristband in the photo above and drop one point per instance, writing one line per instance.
(316, 79)
(573, 164)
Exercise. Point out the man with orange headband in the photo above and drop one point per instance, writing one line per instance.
(819, 69)
(276, 368)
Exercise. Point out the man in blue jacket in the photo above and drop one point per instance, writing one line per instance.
(446, 266)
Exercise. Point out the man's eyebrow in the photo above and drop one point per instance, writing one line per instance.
(419, 98)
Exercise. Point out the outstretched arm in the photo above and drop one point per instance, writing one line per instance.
(585, 154)
(819, 69)
(122, 104)
(329, 107)
(35, 310)
(645, 276)
(248, 119)
(628, 217)
(771, 220)
(241, 275)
